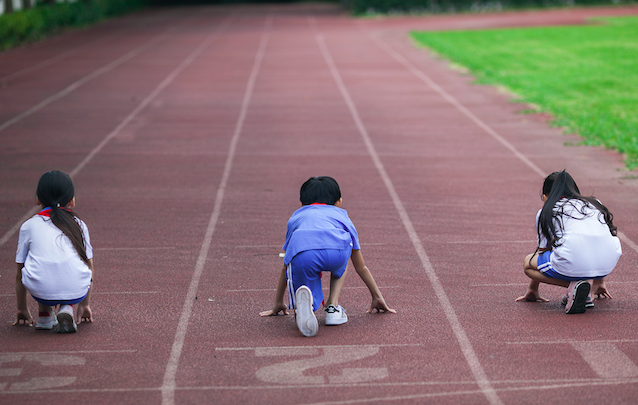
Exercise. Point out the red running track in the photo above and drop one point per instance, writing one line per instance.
(188, 133)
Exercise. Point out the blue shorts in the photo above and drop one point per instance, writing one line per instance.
(306, 267)
(52, 303)
(544, 265)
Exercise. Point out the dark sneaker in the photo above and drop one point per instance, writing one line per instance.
(577, 292)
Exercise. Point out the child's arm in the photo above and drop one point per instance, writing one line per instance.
(378, 302)
(84, 310)
(23, 317)
(279, 304)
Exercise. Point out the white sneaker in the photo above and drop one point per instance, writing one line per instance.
(577, 294)
(336, 315)
(46, 321)
(304, 315)
(66, 321)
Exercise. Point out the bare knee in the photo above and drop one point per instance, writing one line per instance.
(529, 263)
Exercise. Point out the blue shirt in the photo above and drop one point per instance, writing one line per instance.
(319, 226)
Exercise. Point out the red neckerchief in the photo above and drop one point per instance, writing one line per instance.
(47, 211)
(318, 204)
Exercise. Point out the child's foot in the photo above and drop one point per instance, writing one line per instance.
(336, 315)
(304, 315)
(66, 321)
(46, 320)
(577, 293)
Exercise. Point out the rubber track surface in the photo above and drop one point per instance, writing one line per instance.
(188, 133)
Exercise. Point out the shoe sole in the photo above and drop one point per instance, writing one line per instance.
(581, 292)
(66, 324)
(335, 322)
(305, 316)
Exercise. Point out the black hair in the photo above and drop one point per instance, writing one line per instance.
(321, 189)
(55, 190)
(561, 185)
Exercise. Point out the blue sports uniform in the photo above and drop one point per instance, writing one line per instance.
(319, 237)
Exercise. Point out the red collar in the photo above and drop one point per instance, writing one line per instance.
(47, 211)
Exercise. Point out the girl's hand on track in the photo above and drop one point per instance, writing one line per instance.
(601, 293)
(380, 305)
(532, 296)
(275, 310)
(23, 318)
(84, 314)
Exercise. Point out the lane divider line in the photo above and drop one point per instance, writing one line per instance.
(465, 111)
(48, 62)
(461, 337)
(126, 120)
(169, 383)
(545, 385)
(74, 86)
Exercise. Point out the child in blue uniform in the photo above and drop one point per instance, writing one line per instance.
(320, 237)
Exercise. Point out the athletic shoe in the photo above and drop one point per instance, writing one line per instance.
(336, 315)
(588, 304)
(577, 293)
(46, 321)
(304, 315)
(66, 321)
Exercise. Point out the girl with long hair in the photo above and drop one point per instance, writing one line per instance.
(54, 259)
(577, 245)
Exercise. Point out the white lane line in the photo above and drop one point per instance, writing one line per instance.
(169, 384)
(126, 120)
(542, 385)
(403, 398)
(488, 242)
(526, 284)
(450, 99)
(137, 248)
(241, 349)
(36, 353)
(55, 59)
(84, 80)
(448, 309)
(385, 287)
(628, 241)
(561, 342)
(103, 293)
(606, 359)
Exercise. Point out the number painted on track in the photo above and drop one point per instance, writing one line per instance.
(291, 372)
(45, 359)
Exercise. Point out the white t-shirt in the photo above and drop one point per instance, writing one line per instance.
(587, 247)
(52, 270)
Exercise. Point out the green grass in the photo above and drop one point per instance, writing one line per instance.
(49, 19)
(585, 76)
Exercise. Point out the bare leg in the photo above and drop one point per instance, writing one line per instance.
(44, 308)
(336, 284)
(530, 267)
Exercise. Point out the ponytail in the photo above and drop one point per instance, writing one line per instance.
(55, 190)
(561, 185)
